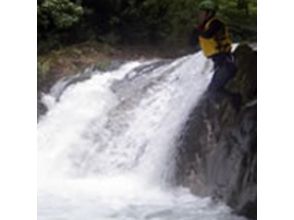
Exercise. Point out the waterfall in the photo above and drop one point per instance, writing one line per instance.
(107, 144)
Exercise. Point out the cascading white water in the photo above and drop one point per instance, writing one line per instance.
(106, 148)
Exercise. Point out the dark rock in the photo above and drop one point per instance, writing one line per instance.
(245, 81)
(41, 109)
(217, 154)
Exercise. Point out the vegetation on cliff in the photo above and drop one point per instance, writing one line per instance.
(169, 22)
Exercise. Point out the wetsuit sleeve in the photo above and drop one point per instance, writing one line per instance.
(215, 27)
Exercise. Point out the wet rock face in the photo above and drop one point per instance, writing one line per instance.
(217, 154)
(245, 81)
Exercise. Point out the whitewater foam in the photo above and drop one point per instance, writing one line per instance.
(107, 144)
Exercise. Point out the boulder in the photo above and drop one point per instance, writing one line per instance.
(217, 153)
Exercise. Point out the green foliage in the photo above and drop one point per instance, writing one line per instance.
(59, 14)
(136, 21)
(241, 17)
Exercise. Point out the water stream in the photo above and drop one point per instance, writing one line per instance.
(107, 144)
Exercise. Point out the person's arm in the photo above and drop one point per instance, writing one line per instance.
(215, 27)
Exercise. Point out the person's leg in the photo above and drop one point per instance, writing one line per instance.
(224, 71)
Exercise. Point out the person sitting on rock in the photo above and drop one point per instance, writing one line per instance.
(215, 42)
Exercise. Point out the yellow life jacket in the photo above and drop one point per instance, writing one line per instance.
(221, 43)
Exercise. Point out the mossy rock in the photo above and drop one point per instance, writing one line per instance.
(245, 81)
(103, 65)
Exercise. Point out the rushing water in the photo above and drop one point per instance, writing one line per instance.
(106, 146)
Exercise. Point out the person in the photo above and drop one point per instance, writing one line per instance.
(216, 44)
